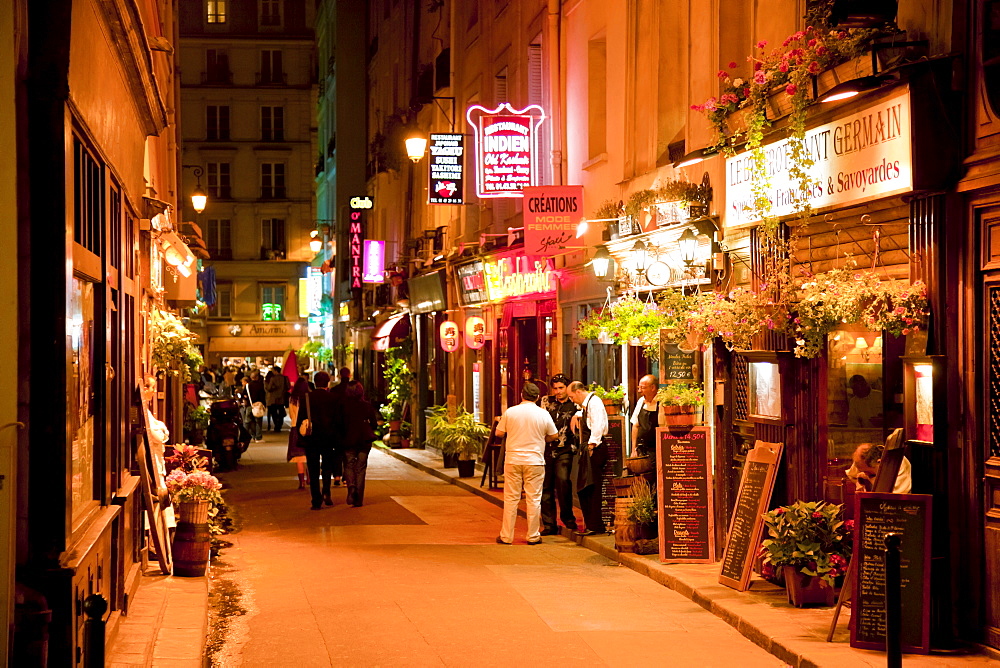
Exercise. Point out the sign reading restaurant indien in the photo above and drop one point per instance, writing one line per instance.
(506, 157)
(857, 158)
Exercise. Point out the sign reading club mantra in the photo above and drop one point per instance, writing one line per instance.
(860, 157)
(446, 164)
(507, 159)
(356, 241)
(516, 276)
(551, 214)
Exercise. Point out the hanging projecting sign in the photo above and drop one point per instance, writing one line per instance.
(356, 242)
(475, 333)
(471, 285)
(449, 336)
(447, 168)
(551, 214)
(507, 159)
(373, 268)
(864, 156)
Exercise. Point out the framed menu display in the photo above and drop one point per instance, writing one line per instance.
(684, 496)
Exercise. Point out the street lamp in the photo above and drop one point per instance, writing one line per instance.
(688, 243)
(641, 253)
(416, 144)
(198, 197)
(315, 243)
(601, 262)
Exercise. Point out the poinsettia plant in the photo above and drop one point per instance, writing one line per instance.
(810, 536)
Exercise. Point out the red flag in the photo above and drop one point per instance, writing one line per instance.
(291, 368)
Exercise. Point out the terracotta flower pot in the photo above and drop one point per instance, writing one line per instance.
(806, 590)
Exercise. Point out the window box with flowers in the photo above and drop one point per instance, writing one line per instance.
(810, 543)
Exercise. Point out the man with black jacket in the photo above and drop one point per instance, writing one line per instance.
(558, 459)
(323, 411)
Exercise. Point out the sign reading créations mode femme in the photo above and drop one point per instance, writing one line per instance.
(857, 158)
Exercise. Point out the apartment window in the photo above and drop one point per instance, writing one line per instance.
(272, 301)
(270, 12)
(271, 69)
(272, 123)
(597, 101)
(536, 95)
(272, 238)
(89, 196)
(216, 11)
(219, 238)
(217, 122)
(272, 180)
(218, 180)
(217, 67)
(223, 306)
(500, 86)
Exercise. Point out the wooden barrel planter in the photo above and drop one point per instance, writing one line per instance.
(680, 416)
(625, 530)
(641, 465)
(192, 539)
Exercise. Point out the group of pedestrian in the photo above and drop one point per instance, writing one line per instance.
(553, 450)
(334, 429)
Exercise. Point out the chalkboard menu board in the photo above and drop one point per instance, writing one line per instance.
(878, 515)
(676, 364)
(746, 525)
(684, 495)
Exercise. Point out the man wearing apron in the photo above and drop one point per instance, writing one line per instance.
(645, 418)
(591, 456)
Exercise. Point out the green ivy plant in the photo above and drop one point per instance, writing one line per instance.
(399, 382)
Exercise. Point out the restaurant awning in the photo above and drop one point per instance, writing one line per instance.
(391, 332)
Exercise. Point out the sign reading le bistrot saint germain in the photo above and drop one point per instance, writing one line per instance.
(506, 158)
(857, 158)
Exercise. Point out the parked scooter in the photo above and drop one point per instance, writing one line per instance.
(227, 437)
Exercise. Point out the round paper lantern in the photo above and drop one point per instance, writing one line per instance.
(475, 333)
(449, 336)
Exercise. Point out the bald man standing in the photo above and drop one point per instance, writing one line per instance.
(646, 417)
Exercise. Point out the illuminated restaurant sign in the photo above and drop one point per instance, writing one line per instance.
(551, 214)
(861, 157)
(471, 285)
(447, 168)
(355, 243)
(449, 336)
(506, 155)
(373, 269)
(517, 276)
(475, 333)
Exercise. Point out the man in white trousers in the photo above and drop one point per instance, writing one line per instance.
(527, 428)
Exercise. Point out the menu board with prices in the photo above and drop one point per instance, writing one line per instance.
(878, 515)
(684, 496)
(747, 524)
(676, 364)
(446, 164)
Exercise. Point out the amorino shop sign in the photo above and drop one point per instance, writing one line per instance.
(864, 156)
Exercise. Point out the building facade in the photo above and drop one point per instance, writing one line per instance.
(248, 82)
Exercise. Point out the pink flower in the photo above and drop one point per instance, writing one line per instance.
(698, 107)
(791, 89)
(710, 104)
(729, 98)
(759, 77)
(813, 42)
(732, 64)
(761, 44)
(814, 68)
(900, 309)
(906, 331)
(757, 65)
(817, 516)
(783, 67)
(798, 35)
(779, 511)
(821, 50)
(722, 74)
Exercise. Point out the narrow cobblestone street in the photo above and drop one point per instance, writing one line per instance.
(414, 578)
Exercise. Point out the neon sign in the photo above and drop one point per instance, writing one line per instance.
(506, 148)
(446, 168)
(517, 276)
(449, 336)
(374, 263)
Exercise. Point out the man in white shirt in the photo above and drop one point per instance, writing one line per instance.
(527, 427)
(592, 423)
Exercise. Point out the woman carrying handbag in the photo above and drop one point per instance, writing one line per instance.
(360, 420)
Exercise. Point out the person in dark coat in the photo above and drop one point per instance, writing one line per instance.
(324, 414)
(277, 386)
(359, 421)
(339, 393)
(296, 453)
(256, 394)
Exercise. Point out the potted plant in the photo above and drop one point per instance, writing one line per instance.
(642, 509)
(195, 425)
(195, 495)
(681, 402)
(398, 378)
(809, 542)
(462, 436)
(612, 398)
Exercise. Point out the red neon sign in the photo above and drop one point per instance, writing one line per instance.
(507, 159)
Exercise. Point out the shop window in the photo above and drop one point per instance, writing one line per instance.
(272, 301)
(215, 11)
(219, 180)
(82, 391)
(860, 409)
(219, 238)
(217, 122)
(272, 123)
(223, 306)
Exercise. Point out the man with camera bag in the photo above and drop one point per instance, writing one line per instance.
(319, 421)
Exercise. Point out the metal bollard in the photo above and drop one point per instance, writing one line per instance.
(893, 602)
(93, 631)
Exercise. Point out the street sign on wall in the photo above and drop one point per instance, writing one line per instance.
(506, 155)
(447, 168)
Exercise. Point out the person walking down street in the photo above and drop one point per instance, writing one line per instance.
(559, 459)
(360, 420)
(646, 418)
(256, 395)
(527, 428)
(242, 396)
(229, 381)
(296, 453)
(322, 413)
(277, 387)
(339, 394)
(591, 423)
